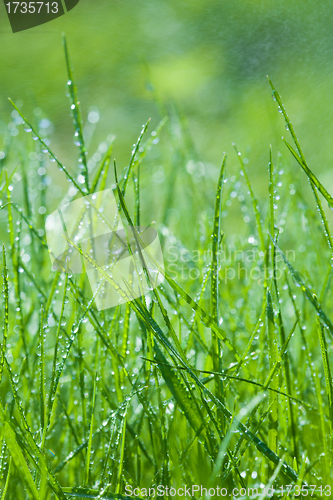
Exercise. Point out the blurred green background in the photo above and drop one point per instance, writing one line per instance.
(209, 59)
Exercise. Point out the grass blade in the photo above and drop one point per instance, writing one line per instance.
(6, 311)
(306, 290)
(214, 297)
(327, 373)
(313, 179)
(19, 460)
(76, 113)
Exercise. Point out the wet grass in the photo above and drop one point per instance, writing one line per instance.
(220, 376)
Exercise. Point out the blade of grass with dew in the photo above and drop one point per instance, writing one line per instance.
(122, 450)
(82, 383)
(256, 329)
(5, 293)
(162, 411)
(222, 453)
(3, 453)
(5, 488)
(286, 367)
(25, 187)
(30, 439)
(271, 202)
(103, 170)
(314, 379)
(42, 381)
(204, 317)
(15, 261)
(46, 148)
(91, 427)
(289, 125)
(214, 297)
(326, 284)
(324, 220)
(302, 335)
(254, 200)
(125, 341)
(154, 137)
(285, 362)
(188, 322)
(139, 153)
(328, 375)
(94, 322)
(52, 292)
(116, 444)
(19, 460)
(76, 113)
(273, 357)
(134, 152)
(272, 480)
(300, 156)
(281, 356)
(311, 176)
(306, 290)
(53, 386)
(188, 405)
(136, 187)
(322, 423)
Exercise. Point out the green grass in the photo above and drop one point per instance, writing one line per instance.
(221, 376)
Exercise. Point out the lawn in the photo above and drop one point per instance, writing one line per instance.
(220, 376)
